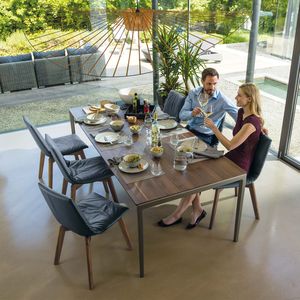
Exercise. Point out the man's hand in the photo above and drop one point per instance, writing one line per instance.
(196, 111)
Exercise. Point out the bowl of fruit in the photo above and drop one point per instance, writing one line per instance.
(135, 129)
(157, 151)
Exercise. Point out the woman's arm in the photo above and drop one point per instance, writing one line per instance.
(237, 140)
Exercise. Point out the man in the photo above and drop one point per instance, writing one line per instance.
(219, 104)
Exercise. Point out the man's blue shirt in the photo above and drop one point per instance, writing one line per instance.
(220, 105)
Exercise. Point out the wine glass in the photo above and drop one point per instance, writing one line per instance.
(208, 110)
(203, 100)
(174, 139)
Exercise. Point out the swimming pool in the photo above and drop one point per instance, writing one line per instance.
(273, 87)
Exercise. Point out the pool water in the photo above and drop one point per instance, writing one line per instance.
(273, 87)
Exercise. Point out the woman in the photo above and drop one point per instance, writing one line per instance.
(241, 148)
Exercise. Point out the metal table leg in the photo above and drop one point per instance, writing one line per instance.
(141, 240)
(239, 208)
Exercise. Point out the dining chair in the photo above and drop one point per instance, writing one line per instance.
(68, 145)
(88, 216)
(79, 172)
(257, 164)
(173, 104)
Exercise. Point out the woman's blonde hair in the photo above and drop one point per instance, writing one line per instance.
(252, 91)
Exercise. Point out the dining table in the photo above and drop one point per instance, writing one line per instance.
(147, 190)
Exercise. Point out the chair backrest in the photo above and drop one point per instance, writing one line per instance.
(40, 141)
(59, 159)
(259, 157)
(173, 104)
(65, 211)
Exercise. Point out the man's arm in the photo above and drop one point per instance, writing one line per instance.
(230, 108)
(186, 111)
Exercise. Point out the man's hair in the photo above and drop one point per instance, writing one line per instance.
(209, 72)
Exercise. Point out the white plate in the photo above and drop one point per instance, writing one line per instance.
(112, 107)
(124, 168)
(107, 137)
(89, 121)
(167, 124)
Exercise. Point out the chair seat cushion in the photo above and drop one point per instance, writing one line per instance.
(234, 184)
(99, 213)
(70, 144)
(89, 170)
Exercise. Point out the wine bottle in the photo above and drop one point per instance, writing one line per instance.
(135, 103)
(155, 132)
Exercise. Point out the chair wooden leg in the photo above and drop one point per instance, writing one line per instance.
(125, 233)
(74, 188)
(64, 187)
(89, 261)
(236, 189)
(76, 156)
(105, 187)
(50, 172)
(254, 200)
(112, 190)
(59, 244)
(214, 208)
(82, 154)
(41, 166)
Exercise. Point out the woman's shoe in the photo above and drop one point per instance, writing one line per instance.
(162, 224)
(202, 216)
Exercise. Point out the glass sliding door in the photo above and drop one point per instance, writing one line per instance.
(289, 148)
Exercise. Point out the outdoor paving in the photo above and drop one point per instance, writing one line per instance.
(50, 105)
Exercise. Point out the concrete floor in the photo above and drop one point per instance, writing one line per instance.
(199, 264)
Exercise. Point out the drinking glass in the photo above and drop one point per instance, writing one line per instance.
(208, 110)
(155, 168)
(148, 121)
(174, 139)
(128, 140)
(180, 161)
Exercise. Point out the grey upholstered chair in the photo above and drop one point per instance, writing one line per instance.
(173, 104)
(67, 145)
(87, 217)
(257, 164)
(79, 172)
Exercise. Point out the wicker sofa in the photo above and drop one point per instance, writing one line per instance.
(17, 73)
(86, 64)
(43, 69)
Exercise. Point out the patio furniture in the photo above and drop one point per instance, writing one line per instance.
(79, 172)
(86, 64)
(51, 67)
(67, 145)
(17, 73)
(257, 164)
(173, 104)
(88, 216)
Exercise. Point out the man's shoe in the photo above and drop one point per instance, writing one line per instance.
(162, 224)
(202, 216)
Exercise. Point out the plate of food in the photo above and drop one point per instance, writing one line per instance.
(113, 108)
(142, 166)
(167, 124)
(107, 137)
(94, 119)
(96, 108)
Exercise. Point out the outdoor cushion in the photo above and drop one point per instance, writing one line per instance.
(48, 54)
(16, 58)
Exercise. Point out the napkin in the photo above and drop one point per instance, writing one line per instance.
(209, 152)
(115, 160)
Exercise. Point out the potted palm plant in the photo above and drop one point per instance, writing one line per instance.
(180, 64)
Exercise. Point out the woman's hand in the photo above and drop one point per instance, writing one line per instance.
(209, 123)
